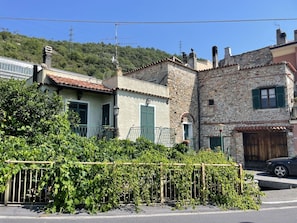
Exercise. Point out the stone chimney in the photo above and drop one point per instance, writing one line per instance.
(119, 71)
(295, 35)
(215, 57)
(228, 53)
(185, 57)
(192, 60)
(228, 59)
(47, 56)
(280, 37)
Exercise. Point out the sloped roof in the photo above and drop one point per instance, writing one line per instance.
(173, 60)
(78, 84)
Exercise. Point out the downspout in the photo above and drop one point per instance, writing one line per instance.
(199, 112)
(114, 104)
(115, 113)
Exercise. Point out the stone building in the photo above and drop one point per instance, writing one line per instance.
(242, 104)
(246, 111)
(182, 81)
(243, 74)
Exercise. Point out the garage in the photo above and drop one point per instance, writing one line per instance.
(263, 143)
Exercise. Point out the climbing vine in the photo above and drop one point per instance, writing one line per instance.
(99, 175)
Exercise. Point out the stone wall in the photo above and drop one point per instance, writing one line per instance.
(249, 59)
(229, 90)
(182, 84)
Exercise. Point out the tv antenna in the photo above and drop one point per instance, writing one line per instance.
(70, 39)
(114, 59)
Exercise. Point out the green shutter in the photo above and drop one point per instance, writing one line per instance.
(147, 122)
(280, 96)
(256, 98)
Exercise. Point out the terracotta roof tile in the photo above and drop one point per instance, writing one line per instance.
(78, 84)
(262, 128)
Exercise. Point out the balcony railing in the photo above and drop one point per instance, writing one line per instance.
(160, 135)
(98, 131)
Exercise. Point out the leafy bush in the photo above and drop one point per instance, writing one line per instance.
(45, 135)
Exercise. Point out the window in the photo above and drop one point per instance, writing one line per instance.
(216, 142)
(105, 114)
(188, 133)
(268, 97)
(81, 109)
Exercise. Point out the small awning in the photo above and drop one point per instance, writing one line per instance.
(278, 128)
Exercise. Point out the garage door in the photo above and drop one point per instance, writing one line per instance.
(261, 146)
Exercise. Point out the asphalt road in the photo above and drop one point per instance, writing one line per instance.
(267, 215)
(278, 206)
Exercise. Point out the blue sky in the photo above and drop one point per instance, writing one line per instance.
(94, 21)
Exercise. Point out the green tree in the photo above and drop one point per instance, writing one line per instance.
(26, 111)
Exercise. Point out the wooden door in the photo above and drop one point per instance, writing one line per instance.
(251, 146)
(261, 146)
(278, 145)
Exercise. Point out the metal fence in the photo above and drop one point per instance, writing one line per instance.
(22, 188)
(101, 132)
(160, 135)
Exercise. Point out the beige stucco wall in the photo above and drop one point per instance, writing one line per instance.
(131, 93)
(94, 100)
(129, 104)
(95, 104)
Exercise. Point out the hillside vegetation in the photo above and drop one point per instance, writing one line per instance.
(94, 59)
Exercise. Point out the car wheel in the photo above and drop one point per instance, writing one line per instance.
(280, 171)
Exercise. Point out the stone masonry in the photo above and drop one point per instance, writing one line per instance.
(230, 90)
(183, 93)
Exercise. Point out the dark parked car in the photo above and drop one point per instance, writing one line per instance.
(282, 166)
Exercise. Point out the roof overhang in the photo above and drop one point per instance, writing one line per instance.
(78, 84)
(278, 128)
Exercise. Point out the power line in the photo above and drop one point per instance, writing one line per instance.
(146, 22)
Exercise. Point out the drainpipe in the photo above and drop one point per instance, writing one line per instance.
(35, 73)
(199, 112)
(115, 113)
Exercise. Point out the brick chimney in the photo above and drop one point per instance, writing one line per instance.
(280, 37)
(47, 56)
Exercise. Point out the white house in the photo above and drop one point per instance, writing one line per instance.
(120, 106)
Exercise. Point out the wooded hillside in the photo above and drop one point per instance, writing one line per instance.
(93, 59)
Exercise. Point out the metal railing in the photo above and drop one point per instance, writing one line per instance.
(84, 130)
(161, 178)
(160, 135)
